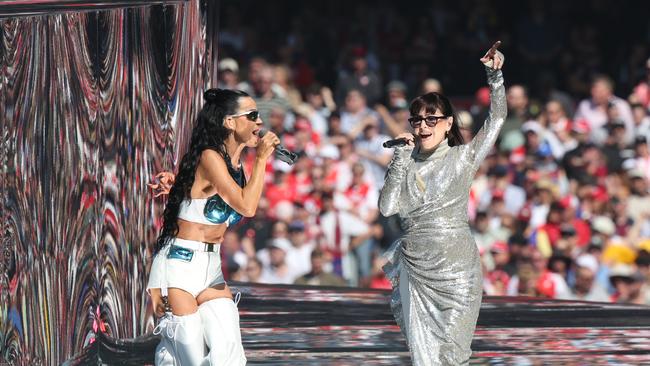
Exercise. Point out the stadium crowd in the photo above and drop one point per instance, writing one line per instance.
(560, 208)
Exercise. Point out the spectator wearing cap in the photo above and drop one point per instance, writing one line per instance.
(574, 225)
(500, 251)
(317, 276)
(594, 109)
(298, 258)
(228, 73)
(638, 203)
(585, 287)
(396, 96)
(628, 284)
(358, 77)
(541, 143)
(277, 271)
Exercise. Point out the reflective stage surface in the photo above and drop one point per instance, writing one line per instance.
(289, 325)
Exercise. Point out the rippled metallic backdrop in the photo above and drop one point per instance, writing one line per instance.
(93, 102)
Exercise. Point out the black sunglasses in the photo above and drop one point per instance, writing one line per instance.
(430, 120)
(250, 115)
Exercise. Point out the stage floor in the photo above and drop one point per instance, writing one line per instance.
(290, 325)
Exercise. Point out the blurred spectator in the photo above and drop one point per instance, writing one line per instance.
(586, 288)
(253, 272)
(277, 270)
(628, 285)
(595, 109)
(517, 99)
(317, 276)
(641, 121)
(641, 93)
(359, 78)
(298, 258)
(356, 114)
(558, 191)
(642, 155)
(560, 125)
(374, 157)
(268, 99)
(431, 86)
(342, 232)
(228, 73)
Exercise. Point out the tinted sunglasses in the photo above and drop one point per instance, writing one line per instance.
(250, 115)
(430, 120)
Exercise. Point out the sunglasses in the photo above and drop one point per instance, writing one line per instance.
(430, 120)
(250, 115)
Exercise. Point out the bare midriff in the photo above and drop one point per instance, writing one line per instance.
(200, 232)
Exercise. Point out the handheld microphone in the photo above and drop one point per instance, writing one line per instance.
(395, 142)
(281, 152)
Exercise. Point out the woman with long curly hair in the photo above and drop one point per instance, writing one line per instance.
(209, 193)
(435, 267)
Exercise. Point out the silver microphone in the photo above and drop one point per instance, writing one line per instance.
(281, 152)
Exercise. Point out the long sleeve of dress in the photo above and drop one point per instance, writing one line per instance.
(487, 135)
(390, 192)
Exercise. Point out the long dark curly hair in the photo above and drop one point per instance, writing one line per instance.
(208, 133)
(430, 102)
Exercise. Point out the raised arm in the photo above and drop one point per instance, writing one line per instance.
(487, 135)
(390, 192)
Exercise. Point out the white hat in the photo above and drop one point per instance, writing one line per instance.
(228, 64)
(621, 270)
(329, 151)
(532, 126)
(603, 225)
(587, 261)
(281, 243)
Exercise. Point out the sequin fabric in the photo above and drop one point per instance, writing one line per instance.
(437, 252)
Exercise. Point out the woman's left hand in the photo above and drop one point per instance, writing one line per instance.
(493, 58)
(163, 183)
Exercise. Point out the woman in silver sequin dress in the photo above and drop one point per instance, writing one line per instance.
(435, 267)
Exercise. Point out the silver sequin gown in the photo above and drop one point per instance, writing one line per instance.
(435, 267)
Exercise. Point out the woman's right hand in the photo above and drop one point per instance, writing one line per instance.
(410, 139)
(266, 145)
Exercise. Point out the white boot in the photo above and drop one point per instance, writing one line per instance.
(182, 341)
(221, 330)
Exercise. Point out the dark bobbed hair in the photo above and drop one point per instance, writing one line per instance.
(208, 133)
(433, 101)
